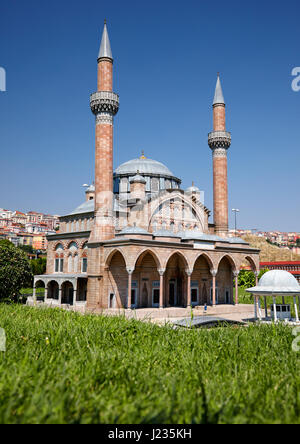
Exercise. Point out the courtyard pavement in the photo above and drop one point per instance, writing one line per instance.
(240, 313)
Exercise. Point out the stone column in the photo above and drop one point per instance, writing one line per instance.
(214, 274)
(189, 296)
(129, 288)
(255, 307)
(75, 294)
(46, 293)
(266, 307)
(274, 309)
(256, 277)
(296, 309)
(161, 287)
(59, 294)
(259, 309)
(34, 294)
(236, 274)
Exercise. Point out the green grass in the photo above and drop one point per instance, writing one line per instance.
(95, 369)
(26, 291)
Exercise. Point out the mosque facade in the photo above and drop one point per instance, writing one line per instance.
(140, 240)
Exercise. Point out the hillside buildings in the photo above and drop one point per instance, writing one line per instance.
(29, 228)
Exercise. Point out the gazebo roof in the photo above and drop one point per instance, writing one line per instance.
(276, 282)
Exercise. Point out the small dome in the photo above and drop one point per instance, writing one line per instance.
(192, 189)
(90, 189)
(144, 166)
(165, 233)
(276, 282)
(133, 230)
(137, 179)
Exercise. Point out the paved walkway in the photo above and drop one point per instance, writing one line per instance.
(240, 313)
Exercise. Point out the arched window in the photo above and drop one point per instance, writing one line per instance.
(84, 259)
(59, 259)
(75, 268)
(70, 264)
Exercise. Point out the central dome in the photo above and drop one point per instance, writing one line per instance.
(144, 166)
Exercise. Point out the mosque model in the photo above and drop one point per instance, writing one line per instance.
(139, 240)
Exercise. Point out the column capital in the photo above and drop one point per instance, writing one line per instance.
(188, 272)
(129, 270)
(214, 272)
(236, 273)
(161, 271)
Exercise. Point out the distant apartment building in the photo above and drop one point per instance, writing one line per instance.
(27, 228)
(39, 242)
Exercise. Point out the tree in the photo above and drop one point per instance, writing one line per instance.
(246, 279)
(27, 248)
(38, 266)
(15, 271)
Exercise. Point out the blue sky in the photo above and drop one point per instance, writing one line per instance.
(167, 54)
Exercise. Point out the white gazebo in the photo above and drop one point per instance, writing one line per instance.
(276, 283)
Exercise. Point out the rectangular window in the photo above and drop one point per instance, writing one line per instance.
(124, 185)
(61, 268)
(194, 295)
(155, 296)
(84, 265)
(56, 265)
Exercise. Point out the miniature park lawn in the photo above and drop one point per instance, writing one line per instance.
(63, 367)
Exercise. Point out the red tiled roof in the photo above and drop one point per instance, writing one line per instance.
(281, 263)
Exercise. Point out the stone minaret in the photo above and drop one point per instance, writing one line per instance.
(105, 105)
(219, 141)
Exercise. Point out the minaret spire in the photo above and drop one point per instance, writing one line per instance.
(219, 141)
(105, 49)
(219, 98)
(104, 105)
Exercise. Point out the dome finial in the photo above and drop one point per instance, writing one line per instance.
(143, 155)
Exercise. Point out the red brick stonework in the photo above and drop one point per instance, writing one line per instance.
(219, 118)
(220, 193)
(105, 75)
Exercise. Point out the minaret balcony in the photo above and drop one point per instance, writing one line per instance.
(219, 139)
(104, 102)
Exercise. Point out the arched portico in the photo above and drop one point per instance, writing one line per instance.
(115, 286)
(67, 290)
(227, 268)
(53, 290)
(70, 289)
(201, 280)
(176, 280)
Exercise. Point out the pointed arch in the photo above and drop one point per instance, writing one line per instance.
(111, 255)
(186, 262)
(207, 258)
(73, 244)
(231, 260)
(251, 262)
(197, 209)
(143, 253)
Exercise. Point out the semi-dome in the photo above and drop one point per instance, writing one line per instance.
(276, 282)
(144, 166)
